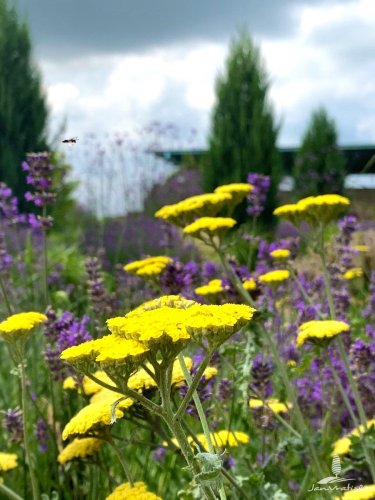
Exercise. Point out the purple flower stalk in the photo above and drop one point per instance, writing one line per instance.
(41, 434)
(13, 424)
(39, 177)
(257, 197)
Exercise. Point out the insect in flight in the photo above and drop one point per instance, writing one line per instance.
(72, 140)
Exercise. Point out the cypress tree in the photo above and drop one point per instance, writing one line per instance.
(319, 166)
(243, 132)
(23, 109)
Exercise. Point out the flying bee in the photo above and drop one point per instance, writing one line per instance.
(72, 140)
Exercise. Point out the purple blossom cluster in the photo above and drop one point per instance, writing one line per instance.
(257, 197)
(39, 170)
(62, 332)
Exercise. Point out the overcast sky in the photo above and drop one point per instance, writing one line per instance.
(119, 64)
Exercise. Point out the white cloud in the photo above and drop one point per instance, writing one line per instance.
(327, 60)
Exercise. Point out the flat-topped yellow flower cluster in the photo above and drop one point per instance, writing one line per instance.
(274, 277)
(220, 439)
(315, 209)
(8, 461)
(211, 225)
(18, 326)
(136, 492)
(187, 210)
(320, 330)
(197, 215)
(273, 404)
(343, 445)
(149, 267)
(79, 448)
(365, 493)
(213, 287)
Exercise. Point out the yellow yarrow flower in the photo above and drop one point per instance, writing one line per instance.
(149, 267)
(291, 212)
(220, 439)
(164, 323)
(320, 330)
(185, 211)
(365, 493)
(216, 323)
(8, 461)
(323, 208)
(249, 285)
(18, 326)
(92, 419)
(120, 350)
(280, 254)
(79, 448)
(108, 349)
(88, 386)
(110, 397)
(273, 404)
(136, 492)
(212, 288)
(237, 188)
(314, 209)
(342, 445)
(209, 225)
(361, 248)
(176, 301)
(238, 191)
(274, 278)
(351, 274)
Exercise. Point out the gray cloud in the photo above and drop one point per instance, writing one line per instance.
(71, 28)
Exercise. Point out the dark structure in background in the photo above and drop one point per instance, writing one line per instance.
(359, 159)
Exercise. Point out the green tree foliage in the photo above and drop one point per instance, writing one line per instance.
(23, 110)
(319, 166)
(243, 132)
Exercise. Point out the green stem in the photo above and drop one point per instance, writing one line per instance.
(5, 295)
(9, 493)
(193, 384)
(177, 430)
(121, 459)
(150, 405)
(34, 485)
(225, 473)
(344, 357)
(308, 300)
(45, 260)
(198, 404)
(302, 426)
(236, 282)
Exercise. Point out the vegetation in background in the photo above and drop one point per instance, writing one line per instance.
(243, 130)
(319, 166)
(23, 109)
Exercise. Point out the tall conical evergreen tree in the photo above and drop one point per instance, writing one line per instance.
(319, 166)
(23, 109)
(243, 131)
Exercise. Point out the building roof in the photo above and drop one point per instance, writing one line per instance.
(360, 158)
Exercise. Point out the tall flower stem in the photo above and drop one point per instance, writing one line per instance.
(193, 384)
(343, 355)
(5, 295)
(352, 415)
(121, 459)
(34, 485)
(299, 419)
(45, 260)
(178, 431)
(8, 493)
(201, 414)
